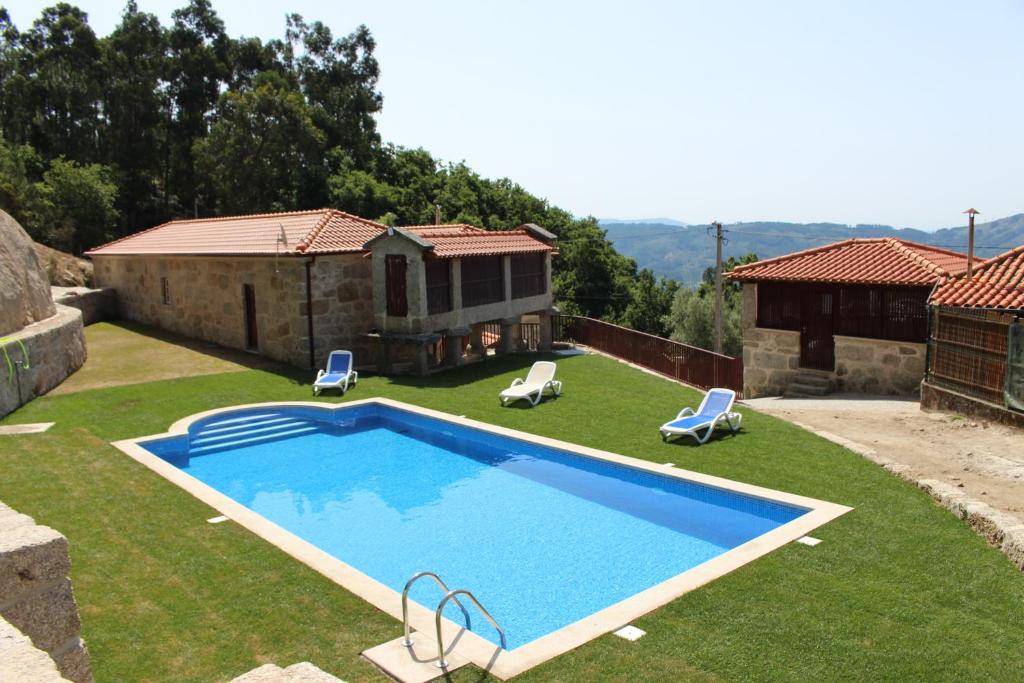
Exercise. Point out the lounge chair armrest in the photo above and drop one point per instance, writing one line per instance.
(319, 374)
(684, 412)
(517, 381)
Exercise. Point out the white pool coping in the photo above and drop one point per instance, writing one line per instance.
(501, 663)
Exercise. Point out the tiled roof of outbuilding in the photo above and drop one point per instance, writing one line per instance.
(874, 261)
(996, 283)
(453, 241)
(322, 231)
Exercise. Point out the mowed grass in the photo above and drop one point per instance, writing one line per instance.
(899, 590)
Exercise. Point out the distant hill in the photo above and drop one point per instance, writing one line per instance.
(641, 221)
(682, 252)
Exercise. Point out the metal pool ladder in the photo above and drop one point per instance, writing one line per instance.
(449, 595)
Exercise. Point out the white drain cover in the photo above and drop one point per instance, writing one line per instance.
(630, 633)
(807, 540)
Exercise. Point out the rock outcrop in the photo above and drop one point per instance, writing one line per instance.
(24, 286)
(41, 343)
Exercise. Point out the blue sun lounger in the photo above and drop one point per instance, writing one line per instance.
(715, 408)
(338, 374)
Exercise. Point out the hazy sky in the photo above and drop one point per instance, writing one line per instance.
(903, 113)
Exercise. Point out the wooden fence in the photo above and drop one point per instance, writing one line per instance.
(696, 366)
(968, 352)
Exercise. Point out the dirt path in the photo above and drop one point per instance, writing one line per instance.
(986, 461)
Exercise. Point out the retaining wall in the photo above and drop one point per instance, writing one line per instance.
(36, 597)
(55, 349)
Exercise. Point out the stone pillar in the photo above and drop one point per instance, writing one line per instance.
(545, 331)
(509, 336)
(422, 358)
(453, 352)
(456, 283)
(476, 340)
(506, 272)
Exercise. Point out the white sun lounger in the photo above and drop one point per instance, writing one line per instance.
(338, 374)
(541, 377)
(715, 408)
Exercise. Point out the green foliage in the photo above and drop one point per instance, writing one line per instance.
(692, 319)
(172, 121)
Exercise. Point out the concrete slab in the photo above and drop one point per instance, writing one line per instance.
(417, 664)
(33, 428)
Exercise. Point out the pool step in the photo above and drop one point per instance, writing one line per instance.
(205, 438)
(200, 445)
(416, 664)
(241, 425)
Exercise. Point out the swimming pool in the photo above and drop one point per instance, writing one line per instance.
(548, 536)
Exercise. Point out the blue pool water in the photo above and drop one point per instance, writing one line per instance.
(541, 536)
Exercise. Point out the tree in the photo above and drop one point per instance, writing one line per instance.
(650, 304)
(76, 206)
(339, 81)
(58, 85)
(255, 152)
(134, 104)
(692, 319)
(196, 67)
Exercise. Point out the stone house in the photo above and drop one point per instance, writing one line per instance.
(976, 349)
(294, 286)
(851, 316)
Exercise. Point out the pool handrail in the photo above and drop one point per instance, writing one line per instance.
(407, 641)
(441, 663)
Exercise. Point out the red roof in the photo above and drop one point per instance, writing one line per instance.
(996, 283)
(322, 231)
(452, 241)
(874, 261)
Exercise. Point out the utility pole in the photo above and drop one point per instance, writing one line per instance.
(437, 214)
(971, 213)
(716, 226)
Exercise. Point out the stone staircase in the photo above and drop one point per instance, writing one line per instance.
(808, 385)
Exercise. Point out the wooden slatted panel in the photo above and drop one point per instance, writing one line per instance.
(394, 273)
(968, 352)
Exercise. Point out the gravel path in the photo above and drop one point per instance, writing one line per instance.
(985, 461)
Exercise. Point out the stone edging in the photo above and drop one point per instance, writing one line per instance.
(1001, 529)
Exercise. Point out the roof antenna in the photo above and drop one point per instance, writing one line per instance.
(970, 241)
(281, 241)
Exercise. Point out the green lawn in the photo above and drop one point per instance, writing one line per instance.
(899, 590)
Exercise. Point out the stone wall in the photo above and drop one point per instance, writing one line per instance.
(879, 366)
(20, 660)
(950, 401)
(35, 592)
(771, 360)
(24, 288)
(205, 300)
(55, 348)
(95, 304)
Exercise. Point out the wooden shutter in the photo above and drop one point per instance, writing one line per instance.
(394, 271)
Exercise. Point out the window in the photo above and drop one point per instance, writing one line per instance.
(165, 291)
(439, 285)
(483, 281)
(394, 274)
(528, 275)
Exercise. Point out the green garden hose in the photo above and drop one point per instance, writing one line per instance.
(4, 341)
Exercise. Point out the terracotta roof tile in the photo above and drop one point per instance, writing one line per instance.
(996, 283)
(452, 241)
(322, 231)
(883, 261)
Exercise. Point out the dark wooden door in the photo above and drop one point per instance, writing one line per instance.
(249, 301)
(817, 343)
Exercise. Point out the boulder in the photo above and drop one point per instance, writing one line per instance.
(24, 287)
